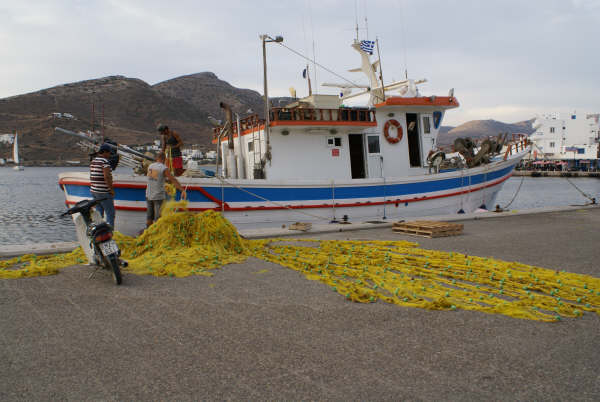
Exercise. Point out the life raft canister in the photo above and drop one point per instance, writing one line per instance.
(386, 131)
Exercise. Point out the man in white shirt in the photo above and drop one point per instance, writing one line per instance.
(155, 190)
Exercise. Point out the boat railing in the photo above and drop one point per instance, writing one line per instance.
(282, 114)
(252, 122)
(314, 115)
(518, 143)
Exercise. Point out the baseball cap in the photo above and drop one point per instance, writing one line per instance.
(105, 148)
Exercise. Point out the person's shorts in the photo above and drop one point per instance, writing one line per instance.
(153, 209)
(177, 162)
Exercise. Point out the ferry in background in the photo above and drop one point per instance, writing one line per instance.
(567, 141)
(316, 160)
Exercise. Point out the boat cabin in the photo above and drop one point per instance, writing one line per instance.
(317, 138)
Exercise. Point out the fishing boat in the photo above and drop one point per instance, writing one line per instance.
(16, 159)
(317, 160)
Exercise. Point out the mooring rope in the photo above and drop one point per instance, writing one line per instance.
(270, 201)
(593, 200)
(516, 193)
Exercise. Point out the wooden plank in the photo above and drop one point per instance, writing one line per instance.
(303, 226)
(428, 228)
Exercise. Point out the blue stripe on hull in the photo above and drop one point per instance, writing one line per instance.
(404, 190)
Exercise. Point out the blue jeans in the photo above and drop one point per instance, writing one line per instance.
(106, 207)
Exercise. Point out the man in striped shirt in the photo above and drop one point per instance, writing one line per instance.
(101, 184)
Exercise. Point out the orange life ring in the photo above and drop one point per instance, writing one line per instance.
(386, 131)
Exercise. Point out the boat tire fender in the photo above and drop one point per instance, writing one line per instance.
(386, 131)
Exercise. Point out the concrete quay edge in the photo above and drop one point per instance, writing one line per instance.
(15, 250)
(8, 251)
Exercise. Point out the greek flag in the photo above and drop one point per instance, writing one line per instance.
(367, 46)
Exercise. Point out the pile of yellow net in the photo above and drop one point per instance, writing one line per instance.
(184, 243)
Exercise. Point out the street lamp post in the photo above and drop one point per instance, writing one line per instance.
(265, 39)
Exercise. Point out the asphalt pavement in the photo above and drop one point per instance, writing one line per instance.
(257, 331)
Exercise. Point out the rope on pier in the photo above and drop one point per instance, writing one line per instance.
(183, 243)
(296, 210)
(589, 197)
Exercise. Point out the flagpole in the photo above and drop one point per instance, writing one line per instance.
(380, 69)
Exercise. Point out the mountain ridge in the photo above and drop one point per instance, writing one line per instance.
(130, 109)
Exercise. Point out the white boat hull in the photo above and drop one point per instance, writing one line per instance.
(260, 203)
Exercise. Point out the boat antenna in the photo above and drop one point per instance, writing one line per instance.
(403, 39)
(366, 22)
(312, 33)
(356, 17)
(380, 68)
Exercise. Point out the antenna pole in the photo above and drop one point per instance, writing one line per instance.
(380, 69)
(308, 78)
(356, 17)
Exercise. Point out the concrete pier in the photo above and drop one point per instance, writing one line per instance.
(260, 331)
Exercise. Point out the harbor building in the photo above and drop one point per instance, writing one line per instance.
(566, 142)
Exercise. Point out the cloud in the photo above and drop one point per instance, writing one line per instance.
(505, 58)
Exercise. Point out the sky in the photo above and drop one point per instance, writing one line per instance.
(506, 60)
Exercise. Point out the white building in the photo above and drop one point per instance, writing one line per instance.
(7, 138)
(573, 138)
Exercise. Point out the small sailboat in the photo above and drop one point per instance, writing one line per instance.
(16, 154)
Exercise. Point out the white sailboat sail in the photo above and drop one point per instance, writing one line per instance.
(16, 154)
(16, 150)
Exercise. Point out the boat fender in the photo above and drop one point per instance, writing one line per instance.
(386, 131)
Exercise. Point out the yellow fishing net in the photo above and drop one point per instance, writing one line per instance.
(183, 243)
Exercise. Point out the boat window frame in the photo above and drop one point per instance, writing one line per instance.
(368, 146)
(426, 118)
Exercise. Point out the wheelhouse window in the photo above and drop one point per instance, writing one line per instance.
(426, 125)
(251, 146)
(373, 144)
(334, 142)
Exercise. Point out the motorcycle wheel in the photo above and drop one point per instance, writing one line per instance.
(112, 263)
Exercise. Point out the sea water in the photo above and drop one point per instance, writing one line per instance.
(31, 201)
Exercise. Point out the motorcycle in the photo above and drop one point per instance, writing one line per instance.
(104, 250)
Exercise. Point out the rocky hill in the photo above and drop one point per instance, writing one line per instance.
(482, 129)
(131, 109)
(202, 89)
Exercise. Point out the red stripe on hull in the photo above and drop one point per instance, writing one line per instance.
(226, 207)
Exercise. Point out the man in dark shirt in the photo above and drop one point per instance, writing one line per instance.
(171, 146)
(101, 184)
